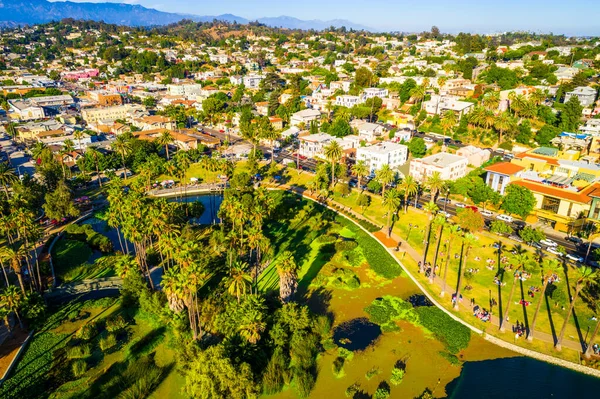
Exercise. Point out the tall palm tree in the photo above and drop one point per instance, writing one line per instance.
(520, 261)
(585, 276)
(492, 100)
(590, 344)
(504, 122)
(7, 176)
(288, 277)
(239, 281)
(166, 138)
(537, 96)
(469, 241)
(94, 153)
(269, 133)
(361, 170)
(453, 233)
(252, 326)
(78, 135)
(384, 175)
(449, 120)
(391, 202)
(12, 299)
(333, 152)
(435, 184)
(441, 223)
(430, 208)
(14, 256)
(122, 146)
(418, 94)
(549, 267)
(409, 187)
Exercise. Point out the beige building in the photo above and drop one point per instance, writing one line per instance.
(449, 166)
(109, 114)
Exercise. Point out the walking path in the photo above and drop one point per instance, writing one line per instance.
(393, 241)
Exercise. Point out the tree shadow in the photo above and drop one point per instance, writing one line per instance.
(579, 332)
(326, 253)
(549, 311)
(147, 342)
(318, 302)
(524, 306)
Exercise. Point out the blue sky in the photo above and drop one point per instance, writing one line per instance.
(566, 16)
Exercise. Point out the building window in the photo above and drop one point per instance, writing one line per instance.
(550, 204)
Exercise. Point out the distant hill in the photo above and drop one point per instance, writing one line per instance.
(21, 12)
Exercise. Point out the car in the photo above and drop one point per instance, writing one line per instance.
(444, 200)
(554, 251)
(536, 245)
(575, 258)
(459, 205)
(549, 243)
(575, 240)
(515, 237)
(445, 214)
(428, 139)
(505, 218)
(486, 213)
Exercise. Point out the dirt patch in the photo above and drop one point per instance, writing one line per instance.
(385, 240)
(10, 347)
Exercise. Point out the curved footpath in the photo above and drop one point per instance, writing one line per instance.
(413, 253)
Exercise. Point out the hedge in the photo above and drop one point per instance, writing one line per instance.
(454, 335)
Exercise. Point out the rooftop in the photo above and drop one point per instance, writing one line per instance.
(442, 159)
(504, 168)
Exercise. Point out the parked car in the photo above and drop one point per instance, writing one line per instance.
(505, 218)
(444, 200)
(486, 213)
(515, 237)
(554, 251)
(446, 214)
(459, 205)
(428, 139)
(575, 258)
(536, 245)
(575, 240)
(549, 243)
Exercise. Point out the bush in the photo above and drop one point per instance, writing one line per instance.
(73, 315)
(370, 227)
(378, 258)
(373, 372)
(354, 258)
(387, 310)
(108, 342)
(397, 376)
(115, 324)
(338, 366)
(274, 375)
(79, 367)
(304, 381)
(383, 391)
(345, 245)
(86, 332)
(453, 359)
(453, 334)
(79, 352)
(326, 239)
(352, 390)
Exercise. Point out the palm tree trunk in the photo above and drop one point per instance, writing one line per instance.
(426, 244)
(98, 174)
(435, 255)
(537, 310)
(4, 272)
(588, 350)
(445, 277)
(6, 192)
(459, 278)
(332, 173)
(564, 326)
(167, 151)
(510, 297)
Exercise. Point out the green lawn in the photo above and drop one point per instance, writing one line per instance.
(70, 259)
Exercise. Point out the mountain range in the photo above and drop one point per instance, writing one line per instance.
(23, 12)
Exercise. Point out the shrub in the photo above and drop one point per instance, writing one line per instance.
(370, 227)
(274, 375)
(352, 390)
(354, 258)
(338, 366)
(397, 376)
(86, 332)
(304, 381)
(383, 391)
(326, 239)
(79, 367)
(387, 310)
(345, 245)
(453, 359)
(73, 315)
(453, 334)
(79, 352)
(115, 324)
(373, 372)
(108, 342)
(378, 258)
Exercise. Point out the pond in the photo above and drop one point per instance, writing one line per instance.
(211, 202)
(357, 334)
(521, 377)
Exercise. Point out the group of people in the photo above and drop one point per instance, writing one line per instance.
(522, 275)
(498, 282)
(481, 314)
(519, 329)
(532, 291)
(473, 271)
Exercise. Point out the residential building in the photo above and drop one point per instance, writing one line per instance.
(304, 117)
(93, 115)
(370, 131)
(499, 175)
(586, 95)
(438, 105)
(105, 99)
(58, 137)
(25, 110)
(476, 156)
(371, 92)
(348, 101)
(186, 90)
(81, 74)
(152, 122)
(276, 122)
(312, 145)
(252, 81)
(384, 153)
(449, 166)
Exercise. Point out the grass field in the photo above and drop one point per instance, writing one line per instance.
(71, 262)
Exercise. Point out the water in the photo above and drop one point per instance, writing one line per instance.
(357, 334)
(211, 206)
(521, 377)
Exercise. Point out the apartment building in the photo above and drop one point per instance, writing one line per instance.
(384, 153)
(449, 166)
(586, 95)
(94, 115)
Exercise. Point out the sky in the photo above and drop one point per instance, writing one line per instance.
(571, 17)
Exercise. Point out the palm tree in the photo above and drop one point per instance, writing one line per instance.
(288, 277)
(7, 176)
(430, 208)
(123, 147)
(166, 138)
(173, 285)
(270, 134)
(585, 276)
(252, 326)
(14, 257)
(435, 184)
(504, 122)
(469, 240)
(361, 170)
(491, 101)
(12, 299)
(418, 94)
(537, 97)
(549, 267)
(410, 187)
(588, 350)
(520, 260)
(453, 232)
(78, 135)
(94, 153)
(239, 281)
(441, 223)
(384, 175)
(333, 152)
(391, 202)
(448, 121)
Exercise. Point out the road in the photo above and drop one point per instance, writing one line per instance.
(18, 160)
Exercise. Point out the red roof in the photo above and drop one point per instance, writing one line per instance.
(504, 168)
(575, 196)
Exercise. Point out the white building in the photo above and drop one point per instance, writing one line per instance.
(384, 153)
(252, 81)
(450, 167)
(340, 84)
(440, 104)
(312, 145)
(305, 116)
(586, 95)
(193, 89)
(25, 111)
(475, 155)
(370, 131)
(220, 58)
(348, 101)
(371, 92)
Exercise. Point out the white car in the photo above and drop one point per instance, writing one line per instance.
(485, 213)
(575, 258)
(554, 251)
(446, 214)
(505, 218)
(428, 139)
(549, 243)
(459, 205)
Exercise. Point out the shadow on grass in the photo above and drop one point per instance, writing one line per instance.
(326, 253)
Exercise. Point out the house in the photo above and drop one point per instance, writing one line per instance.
(58, 137)
(369, 131)
(152, 122)
(340, 85)
(476, 156)
(499, 175)
(70, 158)
(586, 95)
(276, 122)
(25, 110)
(104, 98)
(93, 115)
(304, 117)
(186, 90)
(262, 108)
(438, 105)
(81, 74)
(449, 166)
(384, 153)
(312, 145)
(371, 92)
(252, 81)
(348, 101)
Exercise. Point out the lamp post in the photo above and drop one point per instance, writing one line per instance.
(410, 226)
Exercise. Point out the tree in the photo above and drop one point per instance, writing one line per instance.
(165, 139)
(59, 203)
(288, 277)
(431, 209)
(239, 280)
(435, 184)
(435, 31)
(453, 233)
(418, 94)
(409, 187)
(520, 260)
(333, 152)
(122, 146)
(364, 77)
(384, 175)
(361, 170)
(588, 351)
(363, 200)
(518, 200)
(585, 276)
(469, 241)
(448, 121)
(549, 267)
(391, 202)
(440, 222)
(14, 254)
(469, 220)
(503, 123)
(12, 299)
(267, 132)
(95, 154)
(417, 147)
(500, 227)
(570, 117)
(531, 235)
(7, 177)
